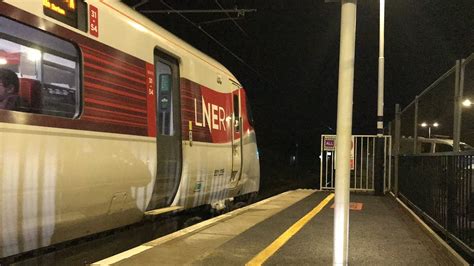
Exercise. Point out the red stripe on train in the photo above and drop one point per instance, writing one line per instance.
(138, 68)
(114, 105)
(113, 98)
(113, 64)
(115, 73)
(89, 74)
(115, 113)
(108, 89)
(118, 122)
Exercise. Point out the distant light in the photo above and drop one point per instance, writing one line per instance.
(424, 124)
(435, 124)
(3, 61)
(467, 103)
(72, 5)
(33, 55)
(137, 26)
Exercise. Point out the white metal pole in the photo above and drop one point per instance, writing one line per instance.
(457, 108)
(344, 131)
(381, 70)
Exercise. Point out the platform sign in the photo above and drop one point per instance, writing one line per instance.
(93, 21)
(352, 153)
(329, 143)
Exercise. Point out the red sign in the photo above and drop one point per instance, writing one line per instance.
(329, 143)
(151, 102)
(211, 112)
(93, 21)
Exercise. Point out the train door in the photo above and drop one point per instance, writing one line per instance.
(236, 138)
(168, 136)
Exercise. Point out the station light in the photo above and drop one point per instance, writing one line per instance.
(467, 103)
(426, 125)
(3, 61)
(33, 55)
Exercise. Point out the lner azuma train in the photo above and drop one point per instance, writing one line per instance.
(117, 117)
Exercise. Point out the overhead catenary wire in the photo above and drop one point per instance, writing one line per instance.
(217, 20)
(141, 3)
(231, 18)
(217, 42)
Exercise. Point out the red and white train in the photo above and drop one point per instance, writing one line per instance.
(118, 117)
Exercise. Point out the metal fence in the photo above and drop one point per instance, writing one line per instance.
(363, 154)
(444, 111)
(433, 151)
(440, 188)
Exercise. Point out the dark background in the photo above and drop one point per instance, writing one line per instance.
(287, 59)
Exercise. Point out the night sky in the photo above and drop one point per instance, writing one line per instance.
(290, 52)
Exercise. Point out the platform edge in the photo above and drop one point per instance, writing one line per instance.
(148, 245)
(433, 235)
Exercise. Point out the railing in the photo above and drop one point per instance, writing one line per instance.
(363, 151)
(440, 188)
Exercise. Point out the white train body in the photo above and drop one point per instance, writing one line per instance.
(116, 119)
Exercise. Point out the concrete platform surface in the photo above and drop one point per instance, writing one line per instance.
(381, 233)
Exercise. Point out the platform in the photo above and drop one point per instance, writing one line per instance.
(382, 232)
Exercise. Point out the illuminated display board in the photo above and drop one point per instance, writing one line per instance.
(63, 10)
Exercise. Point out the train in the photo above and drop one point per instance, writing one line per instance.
(117, 118)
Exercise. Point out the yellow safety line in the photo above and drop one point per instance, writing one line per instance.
(281, 240)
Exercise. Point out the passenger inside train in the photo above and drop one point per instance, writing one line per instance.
(47, 74)
(9, 86)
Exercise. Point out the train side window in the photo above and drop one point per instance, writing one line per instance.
(249, 113)
(48, 69)
(165, 98)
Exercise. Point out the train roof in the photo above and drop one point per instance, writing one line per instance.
(159, 31)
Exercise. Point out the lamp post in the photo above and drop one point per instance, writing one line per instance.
(381, 70)
(380, 142)
(344, 131)
(424, 124)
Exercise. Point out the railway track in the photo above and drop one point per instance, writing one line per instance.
(94, 247)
